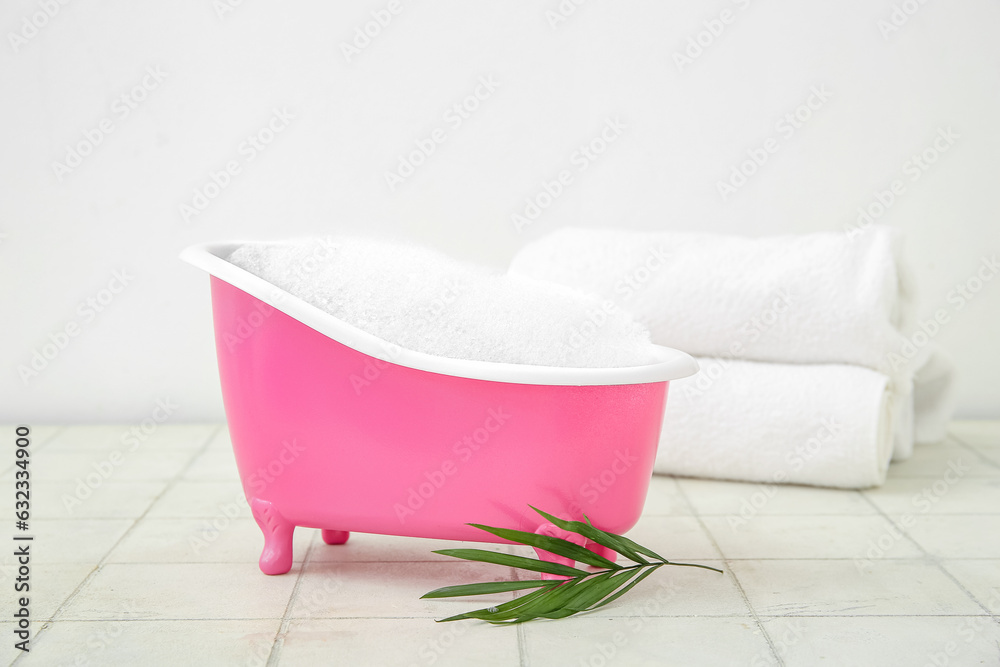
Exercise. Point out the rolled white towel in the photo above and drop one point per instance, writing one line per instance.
(813, 298)
(902, 433)
(923, 407)
(824, 425)
(933, 397)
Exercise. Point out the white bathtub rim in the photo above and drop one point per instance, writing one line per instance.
(210, 257)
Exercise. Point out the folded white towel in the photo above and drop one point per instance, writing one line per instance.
(814, 298)
(902, 430)
(933, 397)
(819, 298)
(925, 406)
(826, 425)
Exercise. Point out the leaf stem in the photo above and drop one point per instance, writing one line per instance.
(704, 567)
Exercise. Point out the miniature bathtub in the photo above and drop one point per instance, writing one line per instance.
(336, 429)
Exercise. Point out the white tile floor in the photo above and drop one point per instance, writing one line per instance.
(157, 565)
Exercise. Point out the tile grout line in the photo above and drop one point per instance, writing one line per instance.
(683, 494)
(279, 638)
(522, 649)
(746, 600)
(934, 559)
(522, 641)
(36, 447)
(430, 618)
(277, 644)
(169, 485)
(928, 557)
(97, 568)
(55, 434)
(982, 457)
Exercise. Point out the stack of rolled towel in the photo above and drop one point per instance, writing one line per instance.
(813, 367)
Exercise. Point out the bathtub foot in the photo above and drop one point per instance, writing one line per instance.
(277, 555)
(335, 536)
(554, 531)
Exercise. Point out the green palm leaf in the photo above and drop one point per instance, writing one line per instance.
(581, 591)
(491, 612)
(627, 588)
(487, 588)
(609, 540)
(521, 562)
(554, 545)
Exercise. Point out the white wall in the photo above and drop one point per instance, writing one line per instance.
(684, 130)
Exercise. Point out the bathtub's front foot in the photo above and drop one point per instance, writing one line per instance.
(335, 536)
(276, 558)
(554, 531)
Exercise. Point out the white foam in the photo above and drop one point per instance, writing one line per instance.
(423, 300)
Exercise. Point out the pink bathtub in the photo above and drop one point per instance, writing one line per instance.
(336, 429)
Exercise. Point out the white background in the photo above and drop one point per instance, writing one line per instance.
(685, 129)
